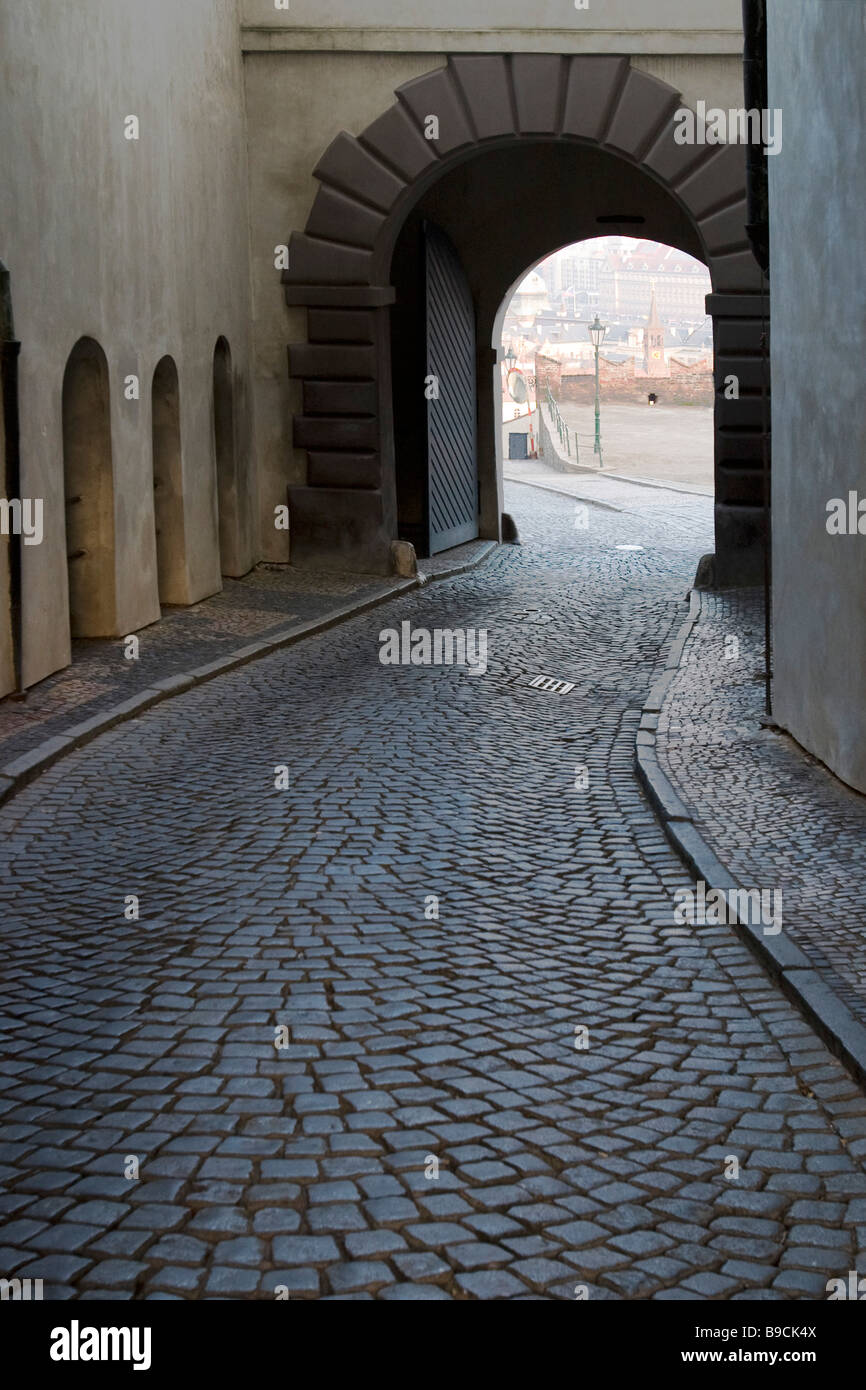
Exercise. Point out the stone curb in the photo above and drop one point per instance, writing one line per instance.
(29, 765)
(489, 547)
(783, 959)
(564, 492)
(657, 483)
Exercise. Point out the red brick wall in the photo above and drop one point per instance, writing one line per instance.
(548, 372)
(686, 388)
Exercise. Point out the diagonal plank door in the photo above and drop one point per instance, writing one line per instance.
(452, 454)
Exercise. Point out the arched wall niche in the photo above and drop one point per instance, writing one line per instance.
(88, 478)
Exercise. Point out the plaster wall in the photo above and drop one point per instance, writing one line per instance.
(817, 57)
(140, 244)
(609, 26)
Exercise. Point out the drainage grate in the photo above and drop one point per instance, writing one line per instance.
(549, 683)
(532, 615)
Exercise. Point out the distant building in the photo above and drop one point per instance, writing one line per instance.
(679, 282)
(531, 298)
(618, 278)
(579, 272)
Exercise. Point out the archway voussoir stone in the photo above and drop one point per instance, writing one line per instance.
(725, 231)
(538, 80)
(435, 95)
(348, 166)
(322, 263)
(737, 273)
(396, 137)
(672, 163)
(592, 85)
(716, 183)
(337, 216)
(643, 105)
(486, 88)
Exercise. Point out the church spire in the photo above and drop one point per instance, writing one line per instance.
(654, 342)
(654, 325)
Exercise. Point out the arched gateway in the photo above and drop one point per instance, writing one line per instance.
(511, 156)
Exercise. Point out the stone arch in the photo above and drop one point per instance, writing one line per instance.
(89, 492)
(168, 503)
(589, 110)
(225, 459)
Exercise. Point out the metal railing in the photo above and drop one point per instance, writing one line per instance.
(569, 437)
(565, 434)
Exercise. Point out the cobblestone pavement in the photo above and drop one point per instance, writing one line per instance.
(265, 602)
(775, 815)
(411, 1037)
(678, 511)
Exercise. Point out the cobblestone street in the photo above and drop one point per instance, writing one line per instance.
(434, 1127)
(262, 605)
(774, 814)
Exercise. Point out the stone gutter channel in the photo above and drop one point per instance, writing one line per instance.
(23, 769)
(784, 960)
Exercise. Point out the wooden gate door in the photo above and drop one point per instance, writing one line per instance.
(452, 446)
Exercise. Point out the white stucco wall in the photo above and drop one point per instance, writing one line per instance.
(817, 58)
(613, 26)
(142, 245)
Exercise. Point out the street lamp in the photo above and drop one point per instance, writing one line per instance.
(510, 358)
(597, 330)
